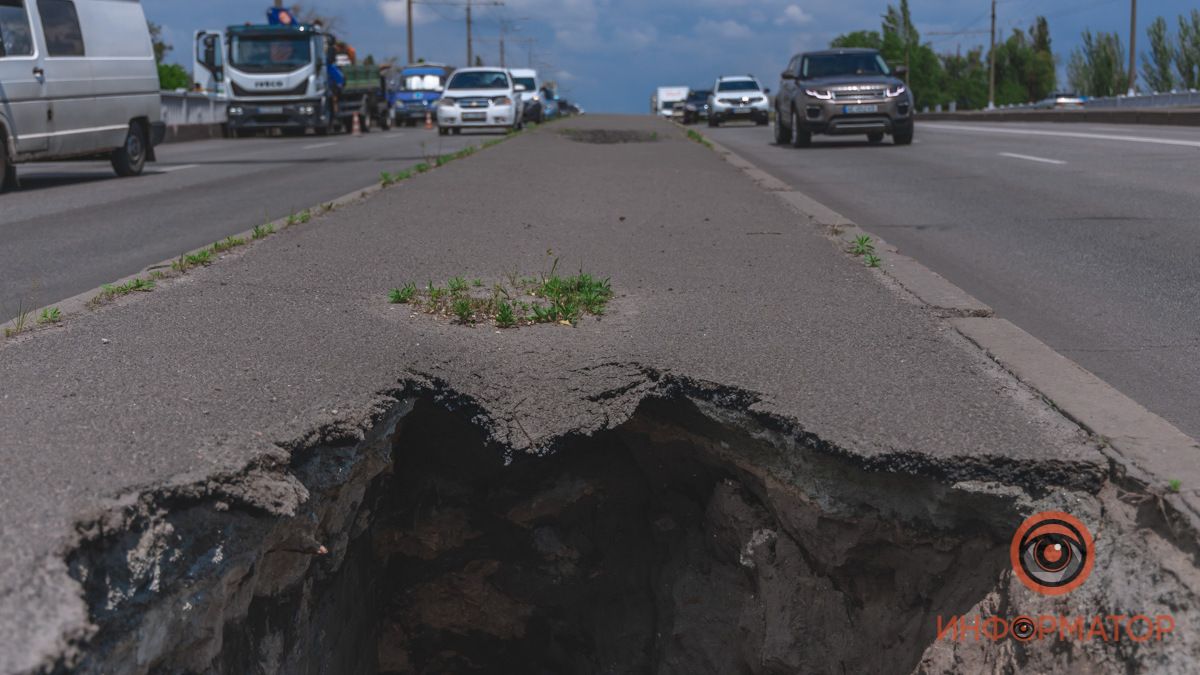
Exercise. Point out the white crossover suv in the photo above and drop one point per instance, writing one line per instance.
(480, 98)
(739, 97)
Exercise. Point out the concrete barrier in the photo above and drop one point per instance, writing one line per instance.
(1166, 116)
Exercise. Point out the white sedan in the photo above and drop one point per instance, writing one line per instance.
(480, 98)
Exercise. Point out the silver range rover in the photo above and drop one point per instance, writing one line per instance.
(842, 91)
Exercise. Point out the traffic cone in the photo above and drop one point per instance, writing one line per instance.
(428, 120)
(356, 130)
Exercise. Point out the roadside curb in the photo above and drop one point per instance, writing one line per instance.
(1149, 449)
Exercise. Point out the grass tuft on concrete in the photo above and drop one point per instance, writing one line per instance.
(524, 301)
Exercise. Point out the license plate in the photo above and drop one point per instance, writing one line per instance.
(740, 111)
(474, 117)
(851, 109)
(271, 110)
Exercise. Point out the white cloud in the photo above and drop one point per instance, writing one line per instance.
(793, 15)
(728, 29)
(395, 12)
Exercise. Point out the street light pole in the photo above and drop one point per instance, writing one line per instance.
(411, 59)
(1132, 47)
(992, 63)
(470, 49)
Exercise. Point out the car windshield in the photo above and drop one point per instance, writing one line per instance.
(738, 85)
(698, 96)
(421, 82)
(529, 83)
(833, 65)
(480, 79)
(270, 54)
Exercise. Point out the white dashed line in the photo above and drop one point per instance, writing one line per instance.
(1031, 158)
(1062, 134)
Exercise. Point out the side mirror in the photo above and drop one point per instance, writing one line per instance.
(900, 71)
(767, 92)
(520, 87)
(787, 75)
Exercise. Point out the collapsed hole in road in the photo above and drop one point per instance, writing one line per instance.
(672, 544)
(610, 136)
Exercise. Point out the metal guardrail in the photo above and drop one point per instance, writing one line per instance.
(184, 108)
(1180, 99)
(1186, 99)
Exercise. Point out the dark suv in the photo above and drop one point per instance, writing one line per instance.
(842, 91)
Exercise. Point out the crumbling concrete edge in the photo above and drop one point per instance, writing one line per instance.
(1145, 448)
(270, 485)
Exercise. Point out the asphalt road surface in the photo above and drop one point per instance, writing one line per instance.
(74, 226)
(1086, 236)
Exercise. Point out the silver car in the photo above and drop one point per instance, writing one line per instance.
(840, 92)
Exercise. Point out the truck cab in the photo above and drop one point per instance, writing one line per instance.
(414, 91)
(273, 76)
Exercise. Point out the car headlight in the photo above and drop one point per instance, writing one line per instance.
(502, 100)
(445, 103)
(536, 98)
(306, 110)
(893, 93)
(822, 94)
(236, 111)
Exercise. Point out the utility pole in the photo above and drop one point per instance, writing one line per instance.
(411, 58)
(992, 63)
(470, 48)
(1132, 47)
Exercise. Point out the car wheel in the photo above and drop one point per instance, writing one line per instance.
(712, 121)
(903, 137)
(8, 170)
(457, 131)
(876, 137)
(801, 138)
(443, 131)
(130, 159)
(385, 122)
(783, 133)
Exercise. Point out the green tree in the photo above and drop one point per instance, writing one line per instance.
(161, 47)
(172, 76)
(1158, 64)
(1187, 50)
(330, 23)
(966, 79)
(866, 39)
(1025, 66)
(1097, 67)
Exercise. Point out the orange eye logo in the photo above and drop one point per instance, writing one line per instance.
(1052, 553)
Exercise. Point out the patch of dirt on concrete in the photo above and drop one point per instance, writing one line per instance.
(609, 136)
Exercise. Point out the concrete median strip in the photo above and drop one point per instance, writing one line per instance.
(753, 453)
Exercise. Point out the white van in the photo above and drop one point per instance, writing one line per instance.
(77, 79)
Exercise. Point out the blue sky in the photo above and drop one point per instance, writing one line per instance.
(609, 55)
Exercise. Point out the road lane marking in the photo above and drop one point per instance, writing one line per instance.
(1032, 158)
(169, 169)
(319, 145)
(1063, 134)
